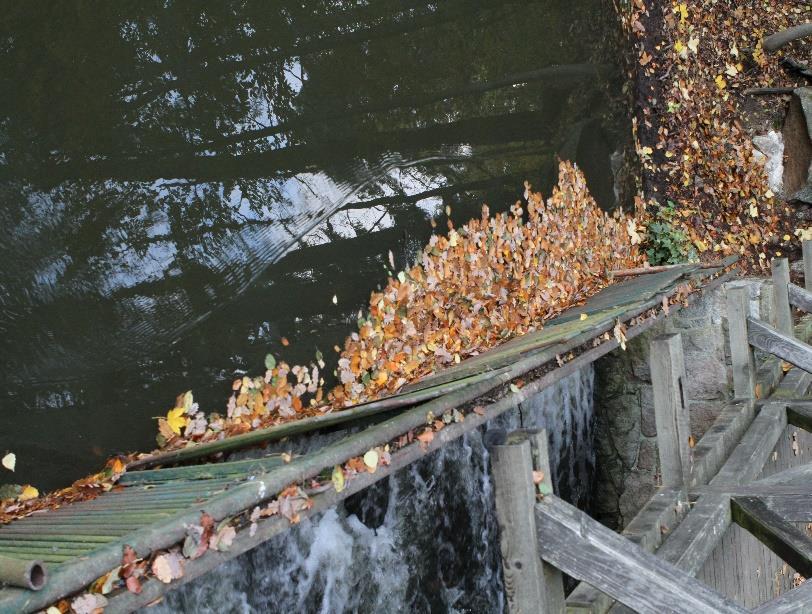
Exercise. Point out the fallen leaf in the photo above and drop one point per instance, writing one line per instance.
(168, 567)
(88, 603)
(338, 478)
(9, 461)
(28, 493)
(371, 460)
(176, 420)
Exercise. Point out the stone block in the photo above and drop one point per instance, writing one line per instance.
(637, 490)
(648, 426)
(647, 456)
(706, 376)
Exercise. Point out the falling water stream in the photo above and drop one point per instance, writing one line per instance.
(423, 540)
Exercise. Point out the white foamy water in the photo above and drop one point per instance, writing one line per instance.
(423, 540)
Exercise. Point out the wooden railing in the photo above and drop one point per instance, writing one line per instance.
(542, 535)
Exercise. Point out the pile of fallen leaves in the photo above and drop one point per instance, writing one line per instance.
(695, 60)
(490, 280)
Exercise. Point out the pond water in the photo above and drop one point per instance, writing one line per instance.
(183, 187)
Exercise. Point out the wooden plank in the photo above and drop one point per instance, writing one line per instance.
(801, 297)
(794, 508)
(514, 495)
(741, 354)
(806, 247)
(658, 517)
(782, 314)
(670, 411)
(800, 416)
(719, 440)
(783, 538)
(766, 338)
(585, 549)
(794, 476)
(551, 577)
(749, 457)
(693, 541)
(796, 601)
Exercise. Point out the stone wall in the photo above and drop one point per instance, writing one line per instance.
(627, 459)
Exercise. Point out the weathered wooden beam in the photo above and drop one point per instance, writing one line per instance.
(670, 412)
(796, 601)
(766, 338)
(552, 578)
(585, 549)
(658, 517)
(783, 538)
(741, 354)
(801, 297)
(794, 508)
(800, 416)
(794, 476)
(782, 313)
(515, 496)
(749, 457)
(806, 247)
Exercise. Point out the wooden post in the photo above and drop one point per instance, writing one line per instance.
(806, 246)
(741, 354)
(670, 410)
(781, 309)
(552, 578)
(515, 495)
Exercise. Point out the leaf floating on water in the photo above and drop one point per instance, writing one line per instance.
(270, 361)
(391, 260)
(338, 478)
(335, 299)
(583, 317)
(285, 341)
(9, 461)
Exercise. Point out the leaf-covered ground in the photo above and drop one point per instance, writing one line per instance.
(693, 61)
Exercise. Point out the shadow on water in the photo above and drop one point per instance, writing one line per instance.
(181, 187)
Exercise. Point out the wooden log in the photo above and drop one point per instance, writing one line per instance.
(29, 574)
(801, 297)
(719, 264)
(585, 549)
(782, 314)
(783, 538)
(796, 601)
(794, 476)
(515, 495)
(741, 354)
(670, 411)
(774, 42)
(806, 250)
(770, 340)
(768, 91)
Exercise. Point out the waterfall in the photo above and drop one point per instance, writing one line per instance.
(423, 540)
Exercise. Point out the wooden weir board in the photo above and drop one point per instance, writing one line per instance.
(75, 575)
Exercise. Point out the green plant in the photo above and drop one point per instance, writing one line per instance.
(666, 242)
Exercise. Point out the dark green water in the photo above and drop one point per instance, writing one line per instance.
(181, 187)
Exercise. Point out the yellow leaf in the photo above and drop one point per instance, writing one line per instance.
(338, 478)
(28, 493)
(9, 461)
(682, 9)
(700, 245)
(720, 82)
(176, 420)
(584, 316)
